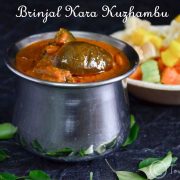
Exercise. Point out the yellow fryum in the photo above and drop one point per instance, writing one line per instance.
(168, 58)
(142, 36)
(171, 56)
(177, 18)
(174, 47)
(154, 39)
(157, 41)
(137, 37)
(178, 39)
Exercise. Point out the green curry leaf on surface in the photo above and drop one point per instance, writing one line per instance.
(157, 168)
(7, 131)
(91, 176)
(38, 175)
(151, 167)
(134, 131)
(125, 175)
(7, 176)
(33, 175)
(3, 155)
(151, 160)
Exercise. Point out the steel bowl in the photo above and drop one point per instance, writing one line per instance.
(51, 116)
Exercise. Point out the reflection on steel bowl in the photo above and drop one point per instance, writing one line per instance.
(80, 118)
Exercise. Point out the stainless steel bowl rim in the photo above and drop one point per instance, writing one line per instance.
(105, 38)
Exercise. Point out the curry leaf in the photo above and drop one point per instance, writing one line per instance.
(7, 131)
(37, 146)
(149, 161)
(38, 175)
(134, 131)
(60, 152)
(3, 155)
(7, 176)
(91, 176)
(157, 168)
(125, 175)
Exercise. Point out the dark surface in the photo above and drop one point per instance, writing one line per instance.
(159, 125)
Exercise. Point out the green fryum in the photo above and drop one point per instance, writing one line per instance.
(157, 168)
(134, 131)
(150, 71)
(3, 155)
(7, 131)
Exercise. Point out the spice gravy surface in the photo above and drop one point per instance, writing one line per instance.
(29, 61)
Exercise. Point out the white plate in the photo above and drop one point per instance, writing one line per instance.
(157, 93)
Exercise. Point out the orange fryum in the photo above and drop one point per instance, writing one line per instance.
(170, 76)
(177, 67)
(137, 75)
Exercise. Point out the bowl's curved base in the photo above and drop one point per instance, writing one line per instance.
(72, 159)
(75, 158)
